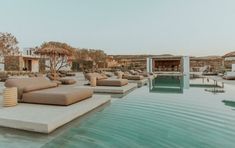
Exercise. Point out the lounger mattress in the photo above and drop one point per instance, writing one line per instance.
(112, 82)
(57, 96)
(133, 77)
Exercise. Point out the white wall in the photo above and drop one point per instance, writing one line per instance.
(233, 67)
(35, 66)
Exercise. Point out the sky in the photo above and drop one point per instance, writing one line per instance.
(180, 27)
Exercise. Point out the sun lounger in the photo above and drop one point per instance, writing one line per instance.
(140, 72)
(56, 96)
(128, 76)
(132, 77)
(102, 80)
(70, 74)
(112, 82)
(132, 72)
(66, 81)
(39, 90)
(66, 73)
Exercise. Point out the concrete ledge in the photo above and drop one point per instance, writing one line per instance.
(152, 76)
(111, 89)
(139, 83)
(46, 118)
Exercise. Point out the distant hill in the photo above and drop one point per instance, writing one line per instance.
(207, 57)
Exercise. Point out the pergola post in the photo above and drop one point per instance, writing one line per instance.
(185, 65)
(149, 65)
(186, 71)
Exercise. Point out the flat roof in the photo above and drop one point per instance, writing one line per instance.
(166, 57)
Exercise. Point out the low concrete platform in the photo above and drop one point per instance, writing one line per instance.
(111, 89)
(152, 76)
(139, 83)
(46, 118)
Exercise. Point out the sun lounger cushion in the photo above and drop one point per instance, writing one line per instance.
(97, 75)
(133, 72)
(67, 81)
(116, 73)
(108, 74)
(39, 86)
(57, 96)
(145, 74)
(70, 74)
(133, 77)
(112, 82)
(57, 82)
(25, 84)
(139, 71)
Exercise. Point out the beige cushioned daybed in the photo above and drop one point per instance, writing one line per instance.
(112, 82)
(132, 77)
(129, 76)
(102, 80)
(67, 81)
(40, 90)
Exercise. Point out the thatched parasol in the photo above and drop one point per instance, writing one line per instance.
(54, 50)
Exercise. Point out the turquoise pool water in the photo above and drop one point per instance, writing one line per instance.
(194, 118)
(152, 116)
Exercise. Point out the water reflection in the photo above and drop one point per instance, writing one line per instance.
(215, 90)
(167, 84)
(19, 138)
(205, 83)
(177, 84)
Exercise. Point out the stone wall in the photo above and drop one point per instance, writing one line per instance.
(13, 63)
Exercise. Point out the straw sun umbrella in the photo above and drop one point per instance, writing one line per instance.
(55, 51)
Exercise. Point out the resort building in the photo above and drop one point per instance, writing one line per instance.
(25, 61)
(167, 64)
(131, 61)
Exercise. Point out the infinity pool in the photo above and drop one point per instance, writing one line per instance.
(184, 116)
